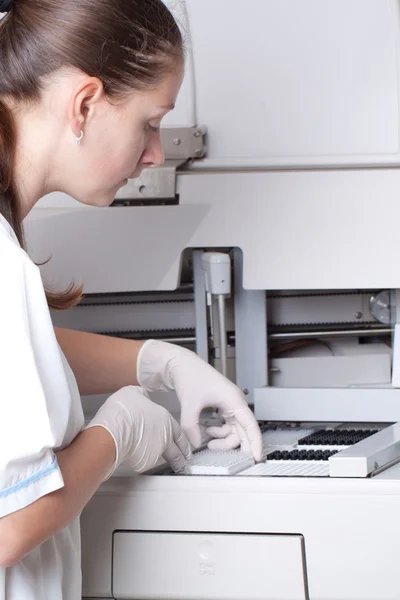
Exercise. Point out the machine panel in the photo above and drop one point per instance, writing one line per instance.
(193, 566)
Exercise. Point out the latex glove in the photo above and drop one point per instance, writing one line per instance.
(163, 366)
(143, 431)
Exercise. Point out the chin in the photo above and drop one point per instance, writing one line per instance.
(99, 199)
(104, 202)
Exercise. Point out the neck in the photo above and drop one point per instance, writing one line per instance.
(32, 161)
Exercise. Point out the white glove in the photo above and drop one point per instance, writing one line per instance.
(143, 431)
(163, 366)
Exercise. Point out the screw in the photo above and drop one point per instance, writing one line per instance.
(199, 153)
(177, 141)
(246, 392)
(197, 133)
(358, 315)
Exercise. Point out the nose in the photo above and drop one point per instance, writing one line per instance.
(153, 155)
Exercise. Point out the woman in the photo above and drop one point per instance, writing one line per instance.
(84, 85)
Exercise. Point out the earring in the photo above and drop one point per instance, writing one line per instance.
(79, 139)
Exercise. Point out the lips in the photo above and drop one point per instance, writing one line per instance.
(136, 173)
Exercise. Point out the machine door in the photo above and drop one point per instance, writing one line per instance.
(215, 566)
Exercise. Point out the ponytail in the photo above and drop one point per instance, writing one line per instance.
(9, 205)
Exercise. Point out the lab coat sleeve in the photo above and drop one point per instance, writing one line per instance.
(28, 464)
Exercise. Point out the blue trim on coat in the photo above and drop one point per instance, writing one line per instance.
(29, 480)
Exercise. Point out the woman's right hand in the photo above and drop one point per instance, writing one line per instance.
(143, 431)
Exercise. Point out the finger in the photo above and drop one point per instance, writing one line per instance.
(244, 442)
(144, 392)
(235, 440)
(181, 440)
(231, 442)
(190, 426)
(175, 458)
(219, 432)
(245, 418)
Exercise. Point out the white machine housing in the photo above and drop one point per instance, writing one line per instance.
(300, 185)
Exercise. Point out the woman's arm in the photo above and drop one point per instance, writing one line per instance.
(128, 427)
(84, 464)
(101, 364)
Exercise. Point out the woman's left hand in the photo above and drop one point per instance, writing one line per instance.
(163, 366)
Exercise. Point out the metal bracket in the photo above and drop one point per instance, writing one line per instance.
(183, 142)
(153, 184)
(159, 184)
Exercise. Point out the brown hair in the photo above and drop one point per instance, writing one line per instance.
(127, 44)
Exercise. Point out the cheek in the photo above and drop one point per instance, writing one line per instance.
(119, 158)
(127, 152)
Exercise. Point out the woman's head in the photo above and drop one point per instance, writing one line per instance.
(91, 142)
(107, 70)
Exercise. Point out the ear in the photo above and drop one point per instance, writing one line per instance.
(84, 100)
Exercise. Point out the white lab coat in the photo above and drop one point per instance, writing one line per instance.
(40, 411)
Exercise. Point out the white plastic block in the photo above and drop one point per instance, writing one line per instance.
(289, 468)
(221, 462)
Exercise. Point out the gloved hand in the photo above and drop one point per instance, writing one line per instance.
(163, 366)
(143, 431)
